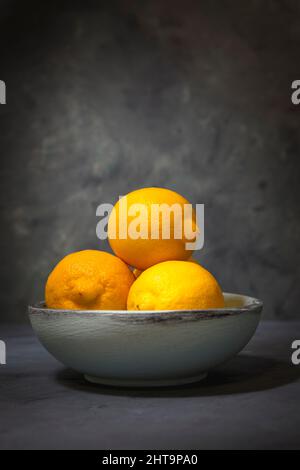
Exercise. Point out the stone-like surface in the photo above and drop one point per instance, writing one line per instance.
(252, 402)
(106, 97)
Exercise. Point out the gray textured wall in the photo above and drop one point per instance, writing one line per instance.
(106, 97)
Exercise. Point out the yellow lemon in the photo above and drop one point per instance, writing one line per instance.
(175, 285)
(89, 279)
(148, 211)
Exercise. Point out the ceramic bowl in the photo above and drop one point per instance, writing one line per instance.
(147, 348)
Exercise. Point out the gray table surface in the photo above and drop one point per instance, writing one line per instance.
(251, 402)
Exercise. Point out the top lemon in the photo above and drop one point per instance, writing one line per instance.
(89, 279)
(139, 211)
(175, 285)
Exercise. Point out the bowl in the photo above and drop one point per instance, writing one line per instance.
(147, 348)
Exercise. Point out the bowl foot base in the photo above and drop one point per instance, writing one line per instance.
(145, 383)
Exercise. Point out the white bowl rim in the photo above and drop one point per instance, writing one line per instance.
(251, 305)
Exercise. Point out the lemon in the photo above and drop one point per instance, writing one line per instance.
(175, 285)
(145, 252)
(89, 279)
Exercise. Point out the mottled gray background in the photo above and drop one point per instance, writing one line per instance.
(106, 97)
